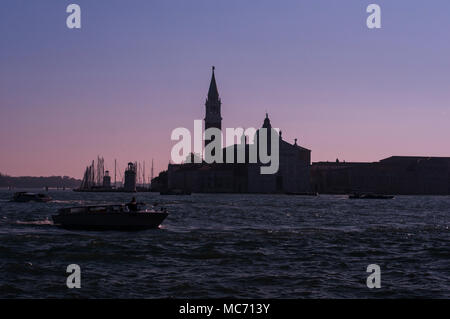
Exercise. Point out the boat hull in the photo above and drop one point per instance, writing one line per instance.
(23, 197)
(302, 193)
(370, 196)
(110, 221)
(175, 192)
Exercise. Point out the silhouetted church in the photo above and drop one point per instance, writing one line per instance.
(393, 175)
(293, 175)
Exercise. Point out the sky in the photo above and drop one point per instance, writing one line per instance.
(136, 70)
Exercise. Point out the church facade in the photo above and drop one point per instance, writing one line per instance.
(293, 175)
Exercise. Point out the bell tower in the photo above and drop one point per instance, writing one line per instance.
(213, 104)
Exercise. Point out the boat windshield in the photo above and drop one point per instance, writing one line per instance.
(116, 208)
(94, 209)
(139, 208)
(97, 209)
(77, 209)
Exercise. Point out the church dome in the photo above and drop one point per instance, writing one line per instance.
(270, 132)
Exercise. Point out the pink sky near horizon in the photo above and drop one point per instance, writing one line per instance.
(118, 90)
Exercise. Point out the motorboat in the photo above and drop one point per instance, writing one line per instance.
(302, 193)
(175, 191)
(24, 197)
(110, 217)
(370, 196)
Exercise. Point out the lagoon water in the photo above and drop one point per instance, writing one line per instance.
(229, 245)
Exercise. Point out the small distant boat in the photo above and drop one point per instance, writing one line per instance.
(24, 197)
(175, 192)
(370, 196)
(302, 193)
(109, 217)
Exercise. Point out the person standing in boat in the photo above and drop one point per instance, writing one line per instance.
(132, 206)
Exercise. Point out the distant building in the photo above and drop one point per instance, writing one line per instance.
(403, 175)
(293, 174)
(106, 180)
(130, 178)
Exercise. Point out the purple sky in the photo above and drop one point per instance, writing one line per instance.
(138, 69)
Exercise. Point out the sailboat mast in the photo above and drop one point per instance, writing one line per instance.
(115, 176)
(151, 178)
(143, 176)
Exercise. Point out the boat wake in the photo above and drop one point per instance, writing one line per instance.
(72, 202)
(35, 222)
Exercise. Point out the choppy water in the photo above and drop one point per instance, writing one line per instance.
(251, 246)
